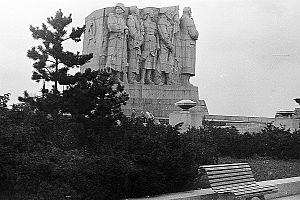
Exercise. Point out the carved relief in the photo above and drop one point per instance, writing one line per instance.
(150, 47)
(91, 32)
(189, 35)
(167, 47)
(135, 40)
(117, 43)
(144, 46)
(177, 54)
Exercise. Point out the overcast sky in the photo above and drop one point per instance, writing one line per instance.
(248, 51)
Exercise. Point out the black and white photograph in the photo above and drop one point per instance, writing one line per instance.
(153, 100)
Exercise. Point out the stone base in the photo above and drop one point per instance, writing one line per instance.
(188, 118)
(160, 100)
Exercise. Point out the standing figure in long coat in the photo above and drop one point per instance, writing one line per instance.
(150, 47)
(135, 40)
(166, 41)
(189, 35)
(117, 43)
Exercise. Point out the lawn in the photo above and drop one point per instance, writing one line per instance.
(267, 168)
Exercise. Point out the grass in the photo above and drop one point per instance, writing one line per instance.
(267, 168)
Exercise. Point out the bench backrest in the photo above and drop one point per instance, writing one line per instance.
(226, 175)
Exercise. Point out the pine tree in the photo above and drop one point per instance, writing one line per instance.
(96, 95)
(52, 63)
(4, 100)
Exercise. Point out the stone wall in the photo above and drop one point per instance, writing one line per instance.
(160, 100)
(242, 123)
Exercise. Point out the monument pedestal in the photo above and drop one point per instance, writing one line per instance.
(160, 100)
(100, 40)
(189, 118)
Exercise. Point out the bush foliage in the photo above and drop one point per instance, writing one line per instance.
(271, 141)
(56, 158)
(66, 158)
(95, 152)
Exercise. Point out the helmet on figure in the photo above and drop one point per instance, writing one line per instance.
(120, 5)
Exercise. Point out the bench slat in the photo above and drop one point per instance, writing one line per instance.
(251, 180)
(247, 188)
(232, 178)
(225, 171)
(227, 167)
(233, 186)
(221, 165)
(242, 173)
(228, 171)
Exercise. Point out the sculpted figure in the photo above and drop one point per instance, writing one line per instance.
(135, 40)
(91, 32)
(117, 43)
(150, 47)
(166, 41)
(177, 54)
(189, 35)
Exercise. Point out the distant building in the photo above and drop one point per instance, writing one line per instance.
(288, 119)
(242, 123)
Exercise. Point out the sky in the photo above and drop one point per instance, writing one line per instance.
(248, 51)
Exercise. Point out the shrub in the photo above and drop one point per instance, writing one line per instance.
(277, 142)
(51, 158)
(161, 159)
(271, 141)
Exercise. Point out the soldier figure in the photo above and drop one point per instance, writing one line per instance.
(189, 35)
(177, 54)
(134, 43)
(91, 32)
(117, 43)
(166, 55)
(149, 54)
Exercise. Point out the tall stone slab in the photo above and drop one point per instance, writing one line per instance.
(95, 38)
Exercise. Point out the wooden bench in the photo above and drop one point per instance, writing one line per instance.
(236, 179)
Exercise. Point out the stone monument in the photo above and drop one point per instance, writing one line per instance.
(149, 50)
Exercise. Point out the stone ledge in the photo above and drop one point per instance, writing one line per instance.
(204, 194)
(286, 187)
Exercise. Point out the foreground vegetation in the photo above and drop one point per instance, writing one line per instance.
(93, 152)
(75, 157)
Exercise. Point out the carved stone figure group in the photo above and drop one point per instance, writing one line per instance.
(151, 46)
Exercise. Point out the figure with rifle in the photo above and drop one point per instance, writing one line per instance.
(117, 44)
(150, 48)
(135, 40)
(167, 48)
